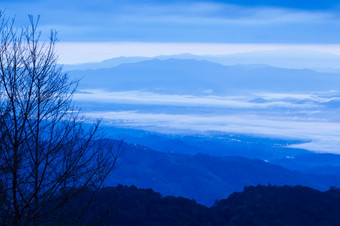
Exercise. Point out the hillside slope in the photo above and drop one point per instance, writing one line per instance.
(202, 177)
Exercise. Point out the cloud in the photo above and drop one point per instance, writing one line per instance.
(178, 21)
(318, 97)
(297, 116)
(323, 135)
(147, 98)
(214, 14)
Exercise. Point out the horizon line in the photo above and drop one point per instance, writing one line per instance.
(90, 52)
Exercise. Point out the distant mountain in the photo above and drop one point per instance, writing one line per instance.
(212, 143)
(104, 64)
(176, 76)
(315, 163)
(297, 59)
(274, 150)
(203, 177)
(293, 59)
(113, 62)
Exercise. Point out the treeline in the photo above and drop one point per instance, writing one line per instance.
(256, 205)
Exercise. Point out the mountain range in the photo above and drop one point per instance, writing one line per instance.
(203, 177)
(199, 77)
(319, 61)
(210, 167)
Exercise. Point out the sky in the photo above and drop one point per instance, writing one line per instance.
(263, 21)
(314, 22)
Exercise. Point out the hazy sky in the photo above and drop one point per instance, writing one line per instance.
(242, 21)
(313, 22)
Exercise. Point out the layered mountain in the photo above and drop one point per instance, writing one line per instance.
(186, 76)
(217, 144)
(202, 177)
(297, 59)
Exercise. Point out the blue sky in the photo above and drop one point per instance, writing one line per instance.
(242, 21)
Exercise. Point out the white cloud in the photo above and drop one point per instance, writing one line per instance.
(204, 12)
(298, 96)
(297, 121)
(164, 21)
(147, 98)
(323, 135)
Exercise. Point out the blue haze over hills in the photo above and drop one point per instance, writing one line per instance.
(323, 62)
(186, 76)
(199, 95)
(203, 126)
(248, 123)
(206, 178)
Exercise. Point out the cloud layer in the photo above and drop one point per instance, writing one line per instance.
(189, 21)
(323, 136)
(299, 116)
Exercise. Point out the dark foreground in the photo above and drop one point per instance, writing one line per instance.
(256, 205)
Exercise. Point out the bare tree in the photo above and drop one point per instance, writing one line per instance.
(47, 153)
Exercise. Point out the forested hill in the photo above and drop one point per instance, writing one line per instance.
(203, 177)
(256, 205)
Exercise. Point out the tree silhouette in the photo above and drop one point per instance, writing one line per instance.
(47, 153)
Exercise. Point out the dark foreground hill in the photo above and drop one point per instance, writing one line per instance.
(203, 177)
(260, 205)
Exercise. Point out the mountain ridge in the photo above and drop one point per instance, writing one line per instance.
(277, 58)
(203, 177)
(190, 76)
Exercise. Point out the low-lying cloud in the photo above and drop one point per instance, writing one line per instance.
(298, 116)
(139, 97)
(323, 135)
